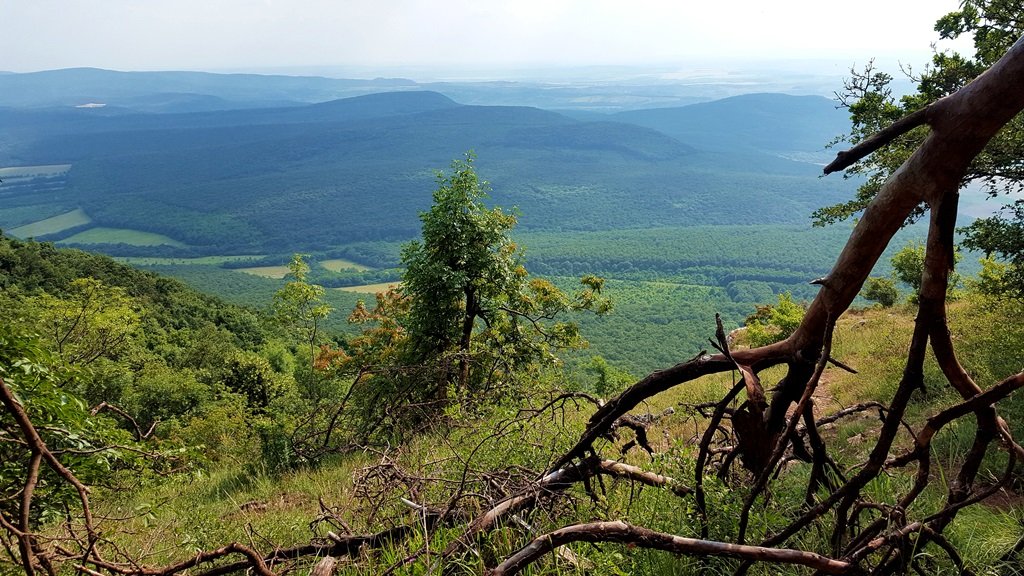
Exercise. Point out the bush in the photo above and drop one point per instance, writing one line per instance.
(161, 393)
(774, 323)
(252, 376)
(881, 290)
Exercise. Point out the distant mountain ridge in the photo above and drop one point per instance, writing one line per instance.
(76, 86)
(767, 122)
(183, 91)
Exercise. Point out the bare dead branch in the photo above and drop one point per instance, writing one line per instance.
(626, 534)
(847, 158)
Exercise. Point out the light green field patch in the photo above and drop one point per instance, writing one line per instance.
(267, 271)
(34, 171)
(369, 288)
(200, 261)
(52, 225)
(339, 264)
(23, 173)
(120, 236)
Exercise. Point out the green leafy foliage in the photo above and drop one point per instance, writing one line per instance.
(463, 264)
(881, 290)
(165, 355)
(995, 25)
(92, 321)
(299, 305)
(251, 375)
(465, 329)
(467, 270)
(607, 378)
(774, 323)
(908, 268)
(92, 445)
(1001, 235)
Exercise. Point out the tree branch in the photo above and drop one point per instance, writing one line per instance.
(627, 534)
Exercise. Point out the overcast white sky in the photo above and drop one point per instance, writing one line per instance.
(252, 34)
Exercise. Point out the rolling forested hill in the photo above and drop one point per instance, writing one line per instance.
(766, 122)
(313, 177)
(711, 198)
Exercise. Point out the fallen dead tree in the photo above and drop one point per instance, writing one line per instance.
(961, 124)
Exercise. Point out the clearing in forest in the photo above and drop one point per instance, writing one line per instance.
(339, 264)
(276, 272)
(52, 225)
(369, 288)
(102, 235)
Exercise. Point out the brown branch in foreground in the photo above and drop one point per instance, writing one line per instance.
(39, 451)
(252, 561)
(555, 482)
(643, 537)
(846, 158)
(139, 434)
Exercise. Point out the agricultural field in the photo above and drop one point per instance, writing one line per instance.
(15, 173)
(32, 194)
(102, 235)
(200, 261)
(276, 272)
(339, 264)
(52, 225)
(369, 288)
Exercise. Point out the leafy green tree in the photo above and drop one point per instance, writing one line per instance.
(300, 308)
(994, 26)
(299, 305)
(94, 320)
(163, 394)
(467, 270)
(465, 261)
(881, 290)
(33, 377)
(251, 375)
(908, 268)
(609, 379)
(997, 279)
(1003, 236)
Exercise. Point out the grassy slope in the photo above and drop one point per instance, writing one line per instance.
(206, 512)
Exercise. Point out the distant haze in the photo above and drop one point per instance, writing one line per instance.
(456, 38)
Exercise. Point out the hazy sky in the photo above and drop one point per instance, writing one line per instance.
(251, 34)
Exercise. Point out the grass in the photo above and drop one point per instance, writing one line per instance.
(168, 522)
(101, 235)
(369, 288)
(339, 264)
(53, 224)
(173, 520)
(275, 272)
